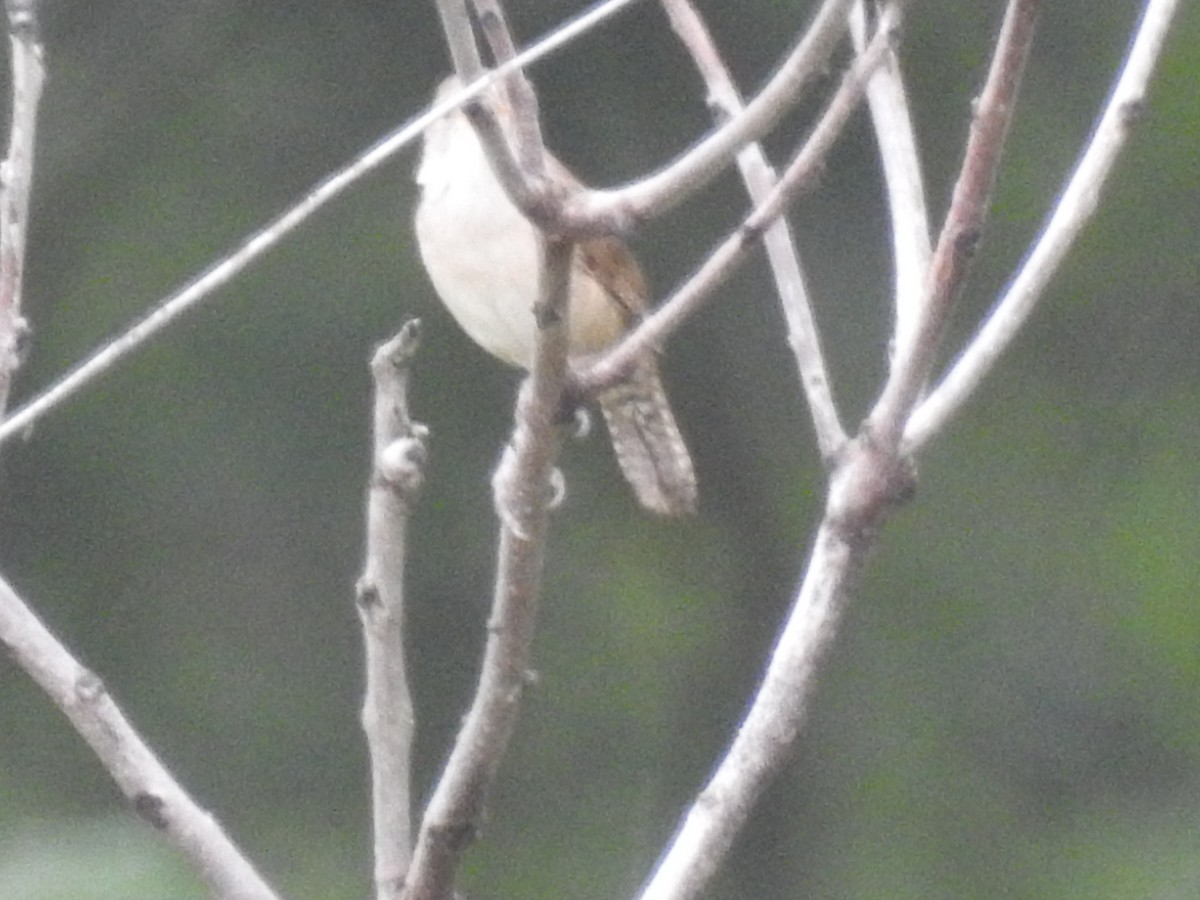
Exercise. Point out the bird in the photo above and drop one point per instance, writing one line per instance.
(484, 258)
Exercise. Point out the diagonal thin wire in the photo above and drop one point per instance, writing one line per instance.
(222, 272)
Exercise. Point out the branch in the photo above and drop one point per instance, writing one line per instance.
(1072, 212)
(726, 103)
(888, 103)
(147, 785)
(223, 271)
(524, 496)
(617, 363)
(657, 193)
(387, 714)
(566, 209)
(963, 227)
(870, 479)
(520, 168)
(531, 151)
(460, 40)
(864, 488)
(28, 75)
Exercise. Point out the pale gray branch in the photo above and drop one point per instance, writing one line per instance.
(726, 103)
(1072, 212)
(764, 740)
(147, 785)
(865, 486)
(524, 164)
(524, 495)
(805, 166)
(397, 472)
(460, 39)
(898, 154)
(531, 151)
(16, 183)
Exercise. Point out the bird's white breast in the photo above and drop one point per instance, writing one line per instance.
(483, 256)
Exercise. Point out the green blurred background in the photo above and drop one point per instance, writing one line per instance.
(1012, 708)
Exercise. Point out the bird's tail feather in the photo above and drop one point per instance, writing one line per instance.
(650, 450)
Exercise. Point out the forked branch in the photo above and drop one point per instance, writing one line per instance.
(870, 479)
(963, 229)
(571, 211)
(801, 172)
(1073, 210)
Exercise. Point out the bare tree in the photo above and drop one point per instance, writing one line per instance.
(871, 469)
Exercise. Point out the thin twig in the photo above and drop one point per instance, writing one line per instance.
(520, 168)
(460, 39)
(963, 228)
(1071, 213)
(655, 194)
(531, 151)
(524, 495)
(150, 789)
(726, 103)
(652, 333)
(80, 694)
(28, 74)
(223, 271)
(888, 102)
(397, 471)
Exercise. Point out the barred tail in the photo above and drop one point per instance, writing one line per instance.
(650, 450)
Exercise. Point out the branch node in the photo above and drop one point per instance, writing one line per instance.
(151, 808)
(88, 687)
(870, 481)
(22, 338)
(1133, 110)
(546, 315)
(966, 242)
(401, 464)
(366, 593)
(558, 488)
(580, 423)
(510, 509)
(455, 836)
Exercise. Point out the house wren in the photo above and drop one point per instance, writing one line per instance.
(484, 258)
